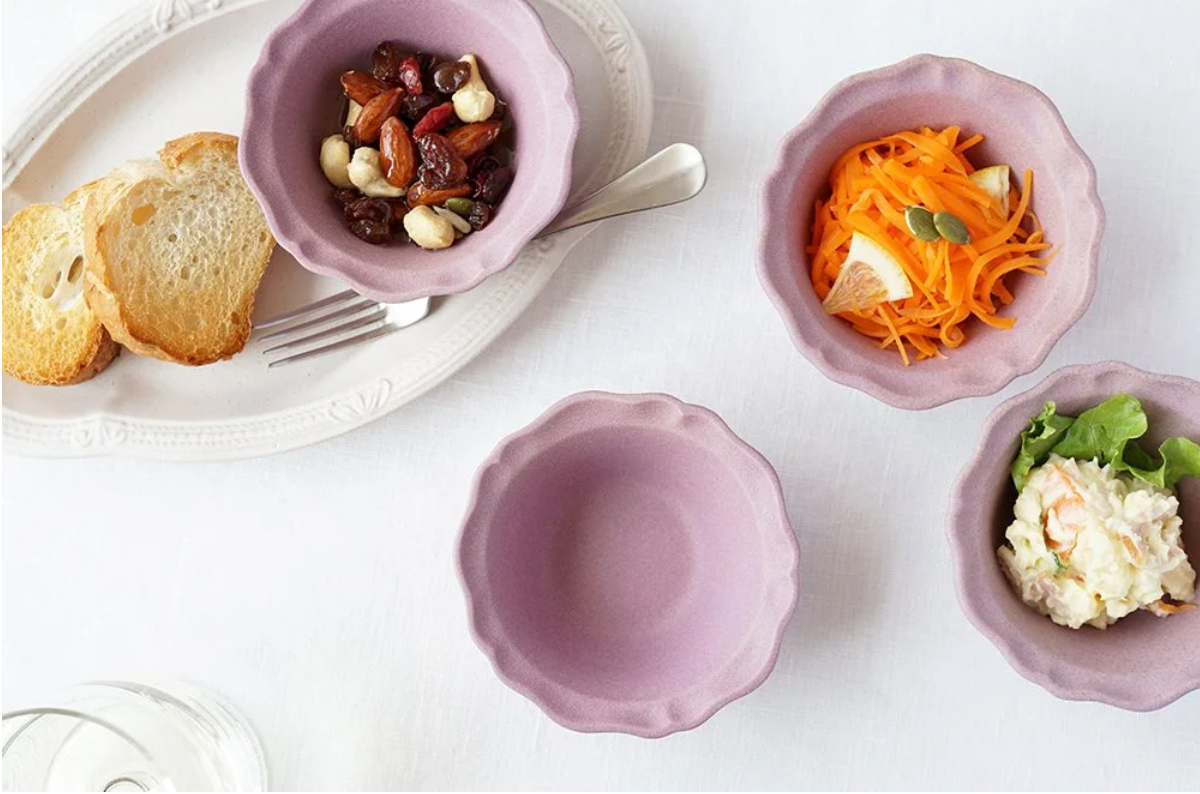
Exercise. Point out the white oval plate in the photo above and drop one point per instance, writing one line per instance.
(177, 66)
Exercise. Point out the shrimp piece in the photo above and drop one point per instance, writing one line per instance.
(1065, 516)
(1163, 609)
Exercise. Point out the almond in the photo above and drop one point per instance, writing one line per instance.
(375, 112)
(396, 153)
(362, 87)
(419, 195)
(471, 139)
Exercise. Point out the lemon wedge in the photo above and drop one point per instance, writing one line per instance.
(869, 277)
(994, 181)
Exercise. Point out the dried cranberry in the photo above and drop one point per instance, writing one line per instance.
(368, 209)
(435, 120)
(415, 106)
(385, 62)
(443, 167)
(346, 196)
(494, 185)
(480, 215)
(373, 232)
(410, 76)
(449, 77)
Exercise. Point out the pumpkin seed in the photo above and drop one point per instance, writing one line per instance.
(951, 227)
(460, 206)
(920, 223)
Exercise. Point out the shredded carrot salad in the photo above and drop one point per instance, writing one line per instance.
(871, 186)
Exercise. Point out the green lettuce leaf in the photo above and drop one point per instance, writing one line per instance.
(1180, 458)
(1044, 431)
(1107, 434)
(1101, 433)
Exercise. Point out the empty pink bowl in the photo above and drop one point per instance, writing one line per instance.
(629, 564)
(1025, 131)
(293, 100)
(1142, 662)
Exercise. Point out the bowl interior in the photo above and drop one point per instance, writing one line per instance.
(310, 107)
(1022, 130)
(1140, 647)
(627, 562)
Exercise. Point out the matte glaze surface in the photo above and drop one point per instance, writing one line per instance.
(629, 563)
(293, 101)
(1024, 130)
(1142, 662)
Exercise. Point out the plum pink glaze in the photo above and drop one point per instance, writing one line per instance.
(1141, 663)
(1024, 130)
(629, 564)
(292, 103)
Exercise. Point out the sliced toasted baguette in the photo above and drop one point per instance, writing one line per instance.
(51, 337)
(176, 248)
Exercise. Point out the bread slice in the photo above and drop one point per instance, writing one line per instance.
(176, 248)
(51, 337)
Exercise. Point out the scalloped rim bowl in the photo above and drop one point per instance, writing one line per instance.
(629, 564)
(292, 101)
(1140, 663)
(1025, 130)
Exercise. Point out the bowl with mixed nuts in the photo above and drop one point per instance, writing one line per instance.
(409, 147)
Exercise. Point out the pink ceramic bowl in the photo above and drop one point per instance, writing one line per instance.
(1025, 131)
(629, 564)
(292, 102)
(1142, 662)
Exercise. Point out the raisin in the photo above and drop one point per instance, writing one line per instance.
(373, 232)
(368, 209)
(415, 106)
(449, 77)
(345, 196)
(385, 62)
(443, 166)
(427, 60)
(350, 138)
(482, 165)
(480, 215)
(501, 111)
(494, 185)
(399, 210)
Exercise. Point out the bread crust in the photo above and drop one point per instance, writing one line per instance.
(99, 348)
(98, 289)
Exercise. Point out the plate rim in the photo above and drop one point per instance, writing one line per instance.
(151, 23)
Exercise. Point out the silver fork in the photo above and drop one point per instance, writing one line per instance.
(675, 174)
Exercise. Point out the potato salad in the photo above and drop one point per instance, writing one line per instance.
(1089, 546)
(1097, 534)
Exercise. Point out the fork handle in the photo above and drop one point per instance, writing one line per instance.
(675, 174)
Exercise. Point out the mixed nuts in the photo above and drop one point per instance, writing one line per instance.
(420, 152)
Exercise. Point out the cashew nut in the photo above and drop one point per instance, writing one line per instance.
(473, 102)
(427, 229)
(457, 221)
(352, 113)
(335, 157)
(366, 174)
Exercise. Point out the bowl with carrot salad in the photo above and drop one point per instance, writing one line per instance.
(930, 231)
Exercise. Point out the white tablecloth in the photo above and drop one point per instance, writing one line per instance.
(316, 590)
